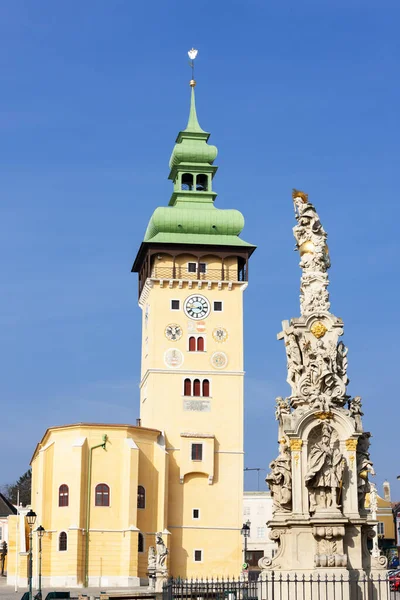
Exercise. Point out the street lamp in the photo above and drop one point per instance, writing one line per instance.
(245, 531)
(31, 518)
(40, 531)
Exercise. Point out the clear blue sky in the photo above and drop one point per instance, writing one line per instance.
(296, 94)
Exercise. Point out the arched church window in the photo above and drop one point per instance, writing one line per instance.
(102, 495)
(187, 387)
(62, 542)
(141, 497)
(187, 181)
(201, 183)
(140, 542)
(196, 387)
(200, 344)
(63, 494)
(206, 388)
(192, 344)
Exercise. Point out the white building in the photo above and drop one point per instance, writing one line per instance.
(257, 511)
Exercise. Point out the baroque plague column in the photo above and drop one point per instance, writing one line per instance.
(320, 478)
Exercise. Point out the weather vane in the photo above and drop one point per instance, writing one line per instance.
(192, 55)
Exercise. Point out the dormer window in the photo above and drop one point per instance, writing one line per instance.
(201, 183)
(187, 181)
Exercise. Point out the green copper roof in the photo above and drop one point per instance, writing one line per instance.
(191, 144)
(191, 217)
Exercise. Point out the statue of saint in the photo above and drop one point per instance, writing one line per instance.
(151, 559)
(364, 468)
(279, 479)
(325, 472)
(162, 552)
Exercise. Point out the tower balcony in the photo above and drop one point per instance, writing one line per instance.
(181, 273)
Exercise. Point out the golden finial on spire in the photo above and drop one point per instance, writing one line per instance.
(192, 55)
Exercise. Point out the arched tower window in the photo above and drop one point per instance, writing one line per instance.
(140, 542)
(141, 497)
(206, 388)
(192, 344)
(102, 495)
(63, 494)
(187, 181)
(196, 387)
(62, 542)
(201, 183)
(187, 387)
(200, 344)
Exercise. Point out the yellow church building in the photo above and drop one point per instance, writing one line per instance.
(102, 491)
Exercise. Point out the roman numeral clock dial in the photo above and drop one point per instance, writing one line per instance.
(196, 307)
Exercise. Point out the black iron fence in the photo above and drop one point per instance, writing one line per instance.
(277, 586)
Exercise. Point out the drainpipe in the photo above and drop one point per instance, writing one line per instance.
(89, 489)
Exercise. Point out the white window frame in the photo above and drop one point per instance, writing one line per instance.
(193, 517)
(202, 555)
(222, 306)
(176, 300)
(380, 528)
(201, 387)
(109, 495)
(199, 262)
(246, 511)
(260, 533)
(197, 460)
(196, 336)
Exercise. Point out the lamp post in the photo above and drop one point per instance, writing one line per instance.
(40, 531)
(31, 518)
(245, 531)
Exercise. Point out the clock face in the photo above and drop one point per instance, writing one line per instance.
(173, 332)
(197, 307)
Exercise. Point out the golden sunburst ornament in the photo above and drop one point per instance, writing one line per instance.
(318, 329)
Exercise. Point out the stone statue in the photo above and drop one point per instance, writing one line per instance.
(355, 411)
(279, 479)
(162, 552)
(364, 468)
(294, 360)
(282, 409)
(325, 472)
(151, 567)
(151, 559)
(341, 362)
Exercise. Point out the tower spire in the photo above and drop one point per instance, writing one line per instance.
(193, 123)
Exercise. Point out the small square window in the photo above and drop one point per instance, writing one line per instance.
(197, 451)
(192, 267)
(198, 556)
(196, 513)
(175, 304)
(218, 306)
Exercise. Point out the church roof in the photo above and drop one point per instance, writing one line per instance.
(94, 425)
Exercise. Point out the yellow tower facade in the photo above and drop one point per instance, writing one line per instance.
(193, 270)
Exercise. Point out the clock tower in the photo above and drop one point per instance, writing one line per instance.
(193, 270)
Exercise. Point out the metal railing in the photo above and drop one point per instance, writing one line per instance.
(277, 586)
(222, 274)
